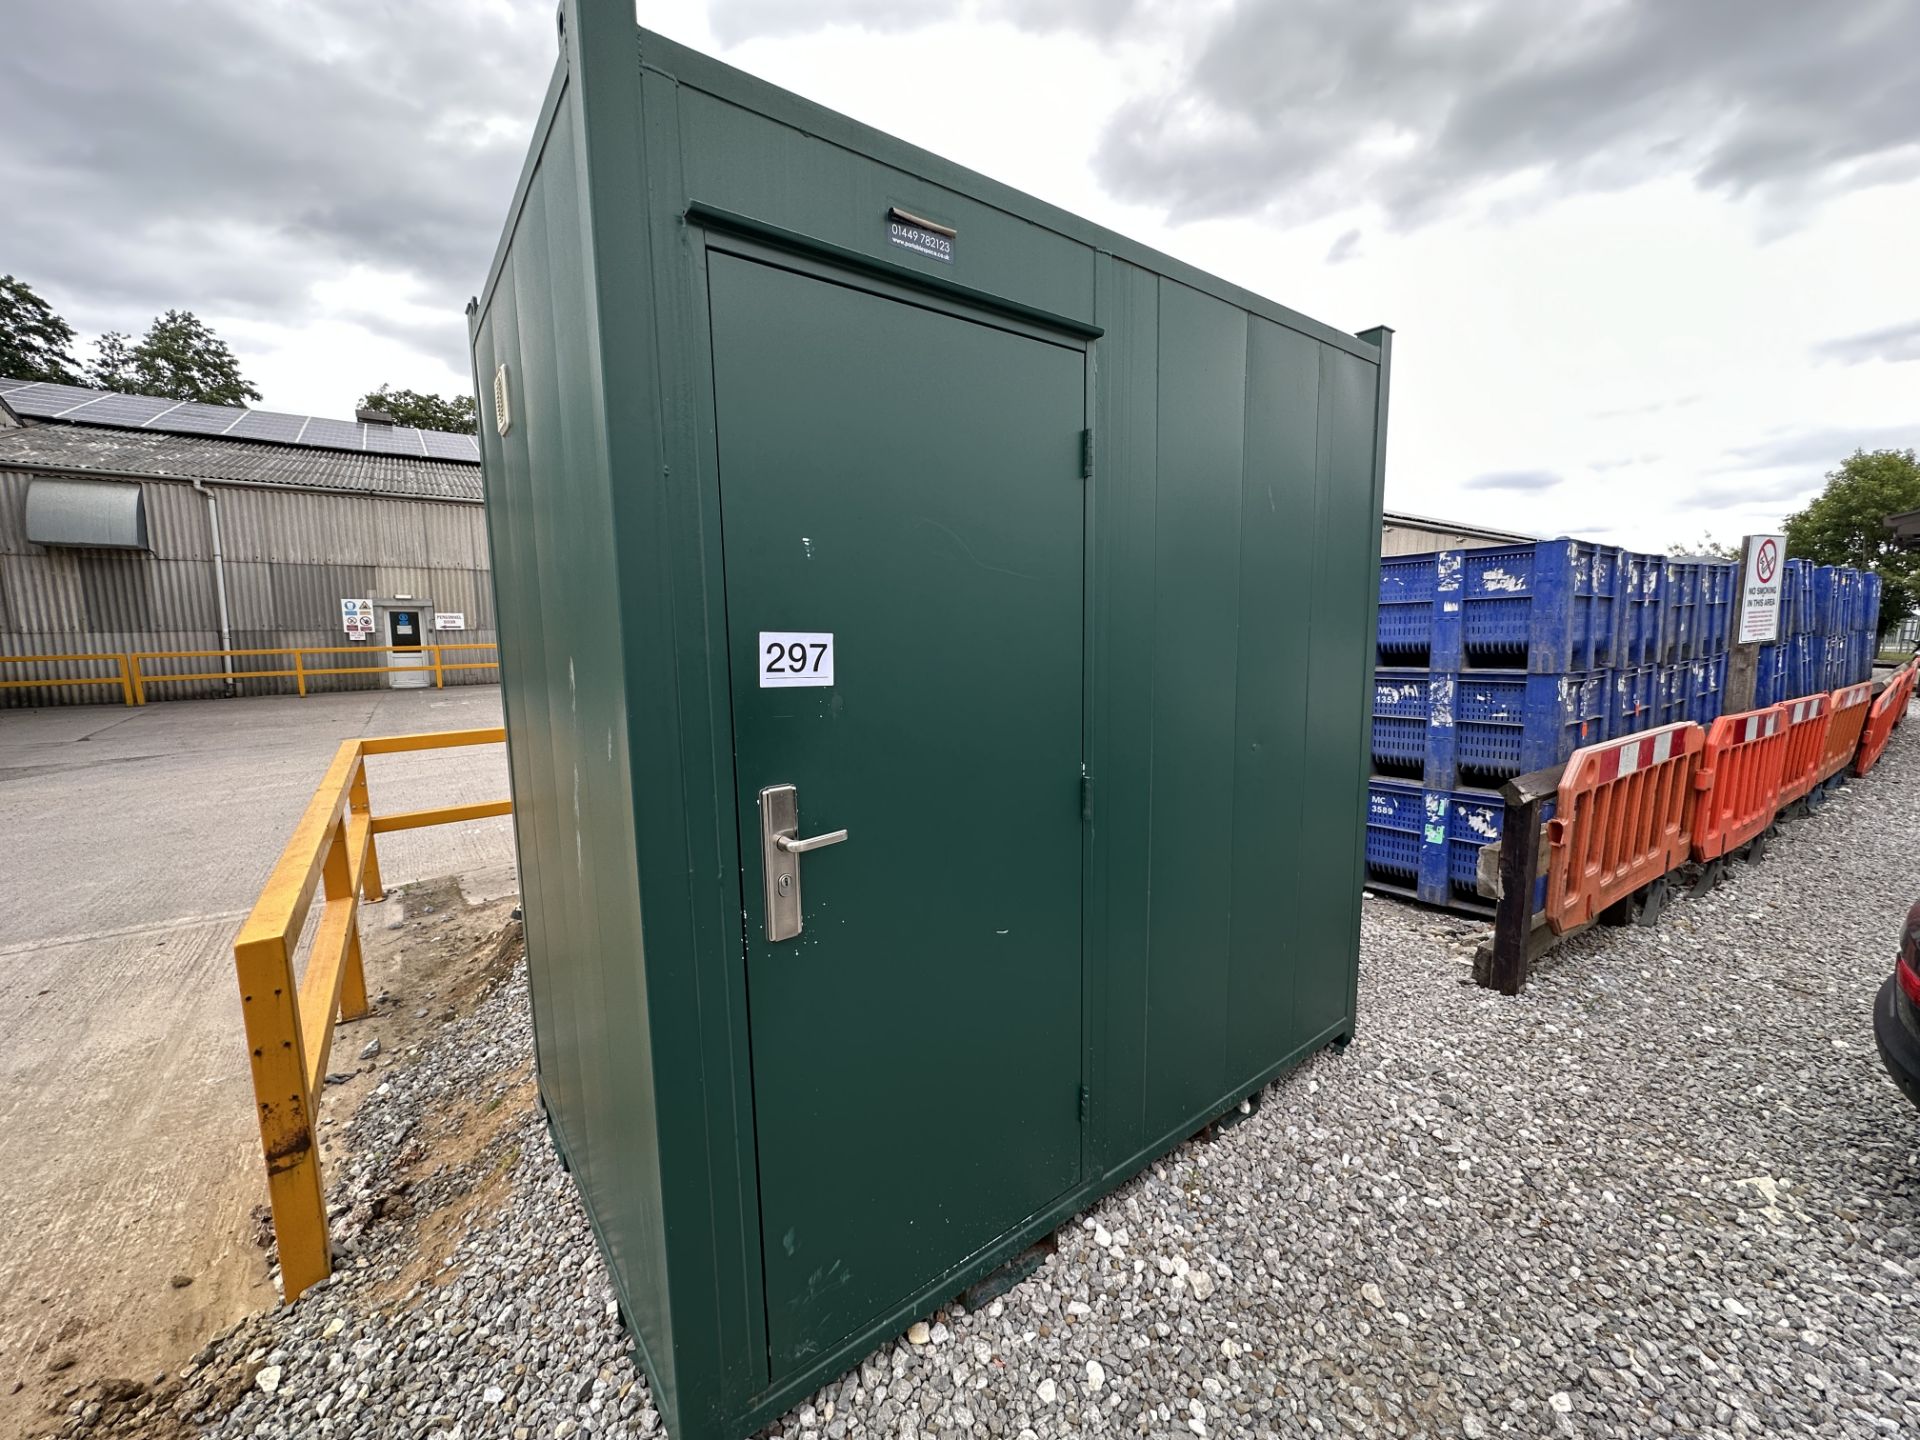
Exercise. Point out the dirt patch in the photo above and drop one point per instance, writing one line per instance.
(478, 1151)
(112, 1360)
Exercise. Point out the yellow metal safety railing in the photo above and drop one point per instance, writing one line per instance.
(289, 1019)
(133, 678)
(122, 672)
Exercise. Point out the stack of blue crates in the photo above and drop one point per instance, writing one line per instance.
(1829, 629)
(1496, 662)
(1499, 661)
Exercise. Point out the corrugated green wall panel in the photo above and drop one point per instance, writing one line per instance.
(1127, 375)
(1195, 650)
(550, 510)
(1339, 662)
(1271, 946)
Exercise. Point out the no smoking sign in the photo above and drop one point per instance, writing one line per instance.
(1759, 621)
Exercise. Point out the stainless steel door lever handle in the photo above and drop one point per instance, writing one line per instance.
(780, 852)
(816, 842)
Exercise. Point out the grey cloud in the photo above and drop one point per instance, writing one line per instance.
(1821, 448)
(1519, 480)
(1654, 407)
(736, 21)
(1294, 108)
(1895, 344)
(227, 156)
(1344, 248)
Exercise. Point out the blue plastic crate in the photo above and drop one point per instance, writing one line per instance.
(1425, 843)
(1714, 615)
(1406, 608)
(1770, 674)
(1632, 698)
(1396, 816)
(1706, 688)
(1642, 588)
(1506, 723)
(1473, 820)
(1823, 600)
(1672, 693)
(1549, 607)
(1679, 607)
(1870, 611)
(1839, 667)
(1799, 587)
(1402, 709)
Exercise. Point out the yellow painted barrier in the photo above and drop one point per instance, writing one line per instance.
(122, 676)
(299, 671)
(289, 1023)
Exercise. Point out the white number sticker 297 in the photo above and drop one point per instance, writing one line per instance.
(795, 657)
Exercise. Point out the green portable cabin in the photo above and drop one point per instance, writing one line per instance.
(936, 638)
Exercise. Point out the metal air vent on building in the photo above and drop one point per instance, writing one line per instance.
(98, 514)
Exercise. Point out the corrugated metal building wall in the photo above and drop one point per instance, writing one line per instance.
(1402, 534)
(290, 558)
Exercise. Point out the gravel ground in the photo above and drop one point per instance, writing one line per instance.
(1668, 1190)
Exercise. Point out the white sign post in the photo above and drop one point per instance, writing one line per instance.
(356, 618)
(1761, 573)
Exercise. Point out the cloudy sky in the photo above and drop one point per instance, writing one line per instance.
(1654, 267)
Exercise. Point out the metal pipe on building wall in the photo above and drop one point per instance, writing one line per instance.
(219, 579)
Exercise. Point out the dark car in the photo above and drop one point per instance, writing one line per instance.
(1896, 1013)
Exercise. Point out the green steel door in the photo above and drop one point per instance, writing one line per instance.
(906, 482)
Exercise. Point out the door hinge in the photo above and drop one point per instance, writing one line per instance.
(1086, 454)
(1086, 796)
(1085, 1102)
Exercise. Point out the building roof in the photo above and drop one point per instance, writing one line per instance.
(1453, 527)
(68, 429)
(66, 448)
(43, 400)
(1905, 526)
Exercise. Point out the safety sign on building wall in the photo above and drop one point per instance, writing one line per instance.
(1761, 573)
(356, 618)
(449, 620)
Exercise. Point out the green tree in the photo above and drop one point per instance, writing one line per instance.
(112, 365)
(426, 412)
(1705, 545)
(35, 343)
(178, 358)
(1846, 524)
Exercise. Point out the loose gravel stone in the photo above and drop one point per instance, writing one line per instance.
(1667, 1191)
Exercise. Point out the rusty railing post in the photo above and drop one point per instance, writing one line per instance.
(269, 1007)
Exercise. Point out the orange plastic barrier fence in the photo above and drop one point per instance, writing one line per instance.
(1887, 710)
(1847, 713)
(1808, 720)
(1623, 818)
(1739, 780)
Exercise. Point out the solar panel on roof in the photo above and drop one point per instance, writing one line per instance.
(43, 401)
(268, 425)
(194, 418)
(332, 434)
(40, 400)
(443, 446)
(392, 439)
(121, 410)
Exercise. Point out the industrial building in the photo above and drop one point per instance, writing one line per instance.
(135, 526)
(1403, 534)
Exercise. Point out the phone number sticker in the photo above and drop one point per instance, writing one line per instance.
(789, 658)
